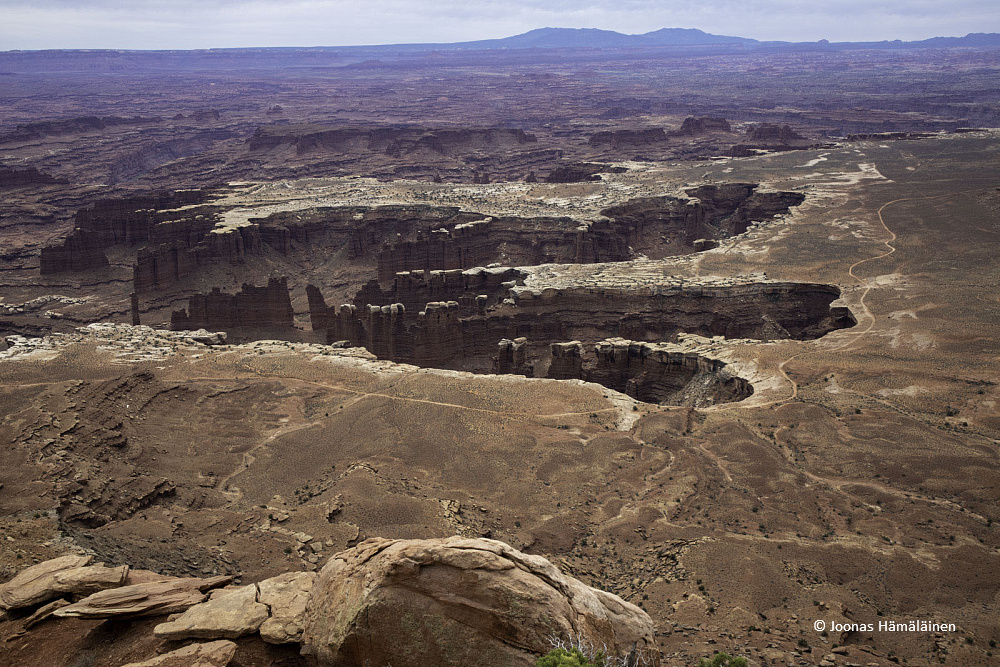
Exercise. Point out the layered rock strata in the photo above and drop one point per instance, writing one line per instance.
(267, 307)
(521, 329)
(128, 221)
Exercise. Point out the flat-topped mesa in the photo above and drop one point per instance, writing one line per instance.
(267, 307)
(391, 141)
(770, 137)
(128, 221)
(695, 126)
(628, 138)
(776, 134)
(13, 178)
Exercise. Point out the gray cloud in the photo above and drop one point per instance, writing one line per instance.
(33, 24)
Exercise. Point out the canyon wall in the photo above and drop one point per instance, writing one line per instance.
(493, 325)
(267, 307)
(123, 221)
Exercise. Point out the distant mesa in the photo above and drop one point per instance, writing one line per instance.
(390, 141)
(81, 124)
(770, 133)
(692, 126)
(12, 178)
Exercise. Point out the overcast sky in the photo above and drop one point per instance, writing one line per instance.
(183, 24)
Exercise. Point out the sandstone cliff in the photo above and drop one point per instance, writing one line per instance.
(258, 307)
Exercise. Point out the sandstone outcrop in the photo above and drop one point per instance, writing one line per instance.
(160, 265)
(286, 596)
(68, 575)
(512, 356)
(207, 654)
(659, 373)
(252, 306)
(228, 614)
(455, 600)
(769, 133)
(129, 221)
(138, 600)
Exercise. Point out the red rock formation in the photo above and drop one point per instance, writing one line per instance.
(692, 127)
(392, 141)
(437, 334)
(157, 267)
(13, 178)
(567, 360)
(126, 221)
(628, 138)
(512, 357)
(257, 307)
(654, 374)
(768, 133)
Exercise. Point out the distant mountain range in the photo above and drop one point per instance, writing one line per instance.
(535, 46)
(562, 38)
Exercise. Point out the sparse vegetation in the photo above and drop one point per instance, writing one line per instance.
(723, 659)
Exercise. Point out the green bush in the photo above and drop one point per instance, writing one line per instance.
(723, 659)
(560, 657)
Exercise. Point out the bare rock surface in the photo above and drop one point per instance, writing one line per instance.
(152, 599)
(36, 584)
(67, 575)
(208, 654)
(286, 596)
(453, 600)
(228, 614)
(44, 612)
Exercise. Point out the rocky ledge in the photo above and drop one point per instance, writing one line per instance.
(408, 603)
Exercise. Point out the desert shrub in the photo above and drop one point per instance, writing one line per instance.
(723, 659)
(578, 652)
(560, 657)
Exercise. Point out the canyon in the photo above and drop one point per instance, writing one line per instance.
(700, 327)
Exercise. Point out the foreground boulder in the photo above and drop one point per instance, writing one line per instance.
(412, 603)
(64, 576)
(210, 654)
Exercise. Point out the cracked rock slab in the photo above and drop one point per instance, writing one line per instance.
(286, 595)
(208, 654)
(150, 599)
(227, 615)
(65, 576)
